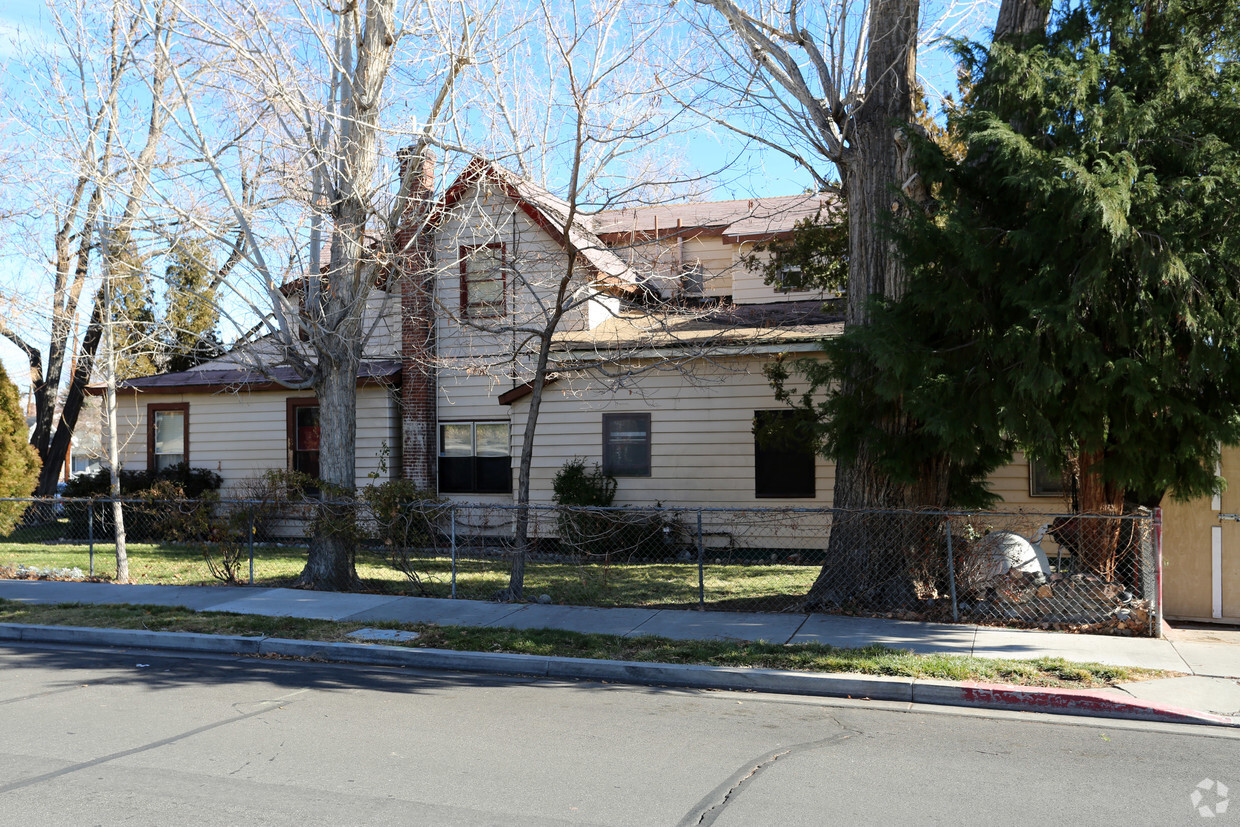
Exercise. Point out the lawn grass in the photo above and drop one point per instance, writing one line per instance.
(806, 657)
(771, 587)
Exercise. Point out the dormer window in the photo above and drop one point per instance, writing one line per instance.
(483, 280)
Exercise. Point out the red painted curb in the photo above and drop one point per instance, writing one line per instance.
(1081, 702)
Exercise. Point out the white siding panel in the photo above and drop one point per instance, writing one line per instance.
(702, 449)
(241, 435)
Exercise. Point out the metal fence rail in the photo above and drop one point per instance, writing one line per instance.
(1089, 572)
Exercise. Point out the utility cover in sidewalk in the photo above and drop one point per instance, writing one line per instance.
(383, 634)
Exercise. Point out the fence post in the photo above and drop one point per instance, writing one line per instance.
(452, 535)
(90, 533)
(701, 549)
(1158, 572)
(951, 570)
(251, 509)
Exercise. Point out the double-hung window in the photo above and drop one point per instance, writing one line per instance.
(483, 287)
(303, 435)
(626, 444)
(474, 458)
(167, 435)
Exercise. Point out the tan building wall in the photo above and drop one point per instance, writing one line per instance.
(1201, 552)
(701, 439)
(241, 435)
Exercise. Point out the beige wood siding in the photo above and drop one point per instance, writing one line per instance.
(1191, 571)
(241, 435)
(702, 448)
(748, 287)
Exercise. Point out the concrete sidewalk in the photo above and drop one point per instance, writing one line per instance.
(1212, 660)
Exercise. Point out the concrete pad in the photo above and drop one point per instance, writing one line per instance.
(1026, 644)
(577, 619)
(197, 598)
(688, 625)
(1216, 659)
(384, 635)
(856, 632)
(61, 591)
(1218, 695)
(438, 610)
(302, 603)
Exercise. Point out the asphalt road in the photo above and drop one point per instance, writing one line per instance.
(108, 737)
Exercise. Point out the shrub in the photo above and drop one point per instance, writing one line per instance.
(577, 489)
(405, 520)
(574, 484)
(588, 526)
(19, 464)
(174, 504)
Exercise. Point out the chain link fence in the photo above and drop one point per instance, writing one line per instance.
(1056, 571)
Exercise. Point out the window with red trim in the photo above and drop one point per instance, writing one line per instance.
(303, 435)
(167, 435)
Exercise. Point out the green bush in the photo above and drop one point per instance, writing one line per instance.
(190, 483)
(19, 463)
(574, 484)
(590, 527)
(174, 504)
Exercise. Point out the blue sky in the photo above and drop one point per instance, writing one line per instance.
(754, 170)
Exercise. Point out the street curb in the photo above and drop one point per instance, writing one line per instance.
(1089, 702)
(1079, 702)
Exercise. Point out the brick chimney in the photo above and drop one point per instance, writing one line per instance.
(416, 254)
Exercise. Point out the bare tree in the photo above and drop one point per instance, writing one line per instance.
(89, 151)
(576, 107)
(309, 85)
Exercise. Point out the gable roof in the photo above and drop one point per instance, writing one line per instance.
(762, 327)
(736, 220)
(385, 372)
(548, 211)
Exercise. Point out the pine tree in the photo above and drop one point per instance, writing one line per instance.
(191, 335)
(1077, 293)
(132, 309)
(19, 463)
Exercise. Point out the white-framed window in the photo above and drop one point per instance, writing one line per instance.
(474, 458)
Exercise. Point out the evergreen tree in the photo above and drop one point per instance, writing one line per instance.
(190, 335)
(19, 463)
(132, 309)
(1077, 293)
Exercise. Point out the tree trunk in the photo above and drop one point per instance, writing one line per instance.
(72, 408)
(1020, 18)
(866, 552)
(336, 302)
(870, 556)
(516, 575)
(1097, 536)
(330, 560)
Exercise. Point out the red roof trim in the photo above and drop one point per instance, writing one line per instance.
(522, 391)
